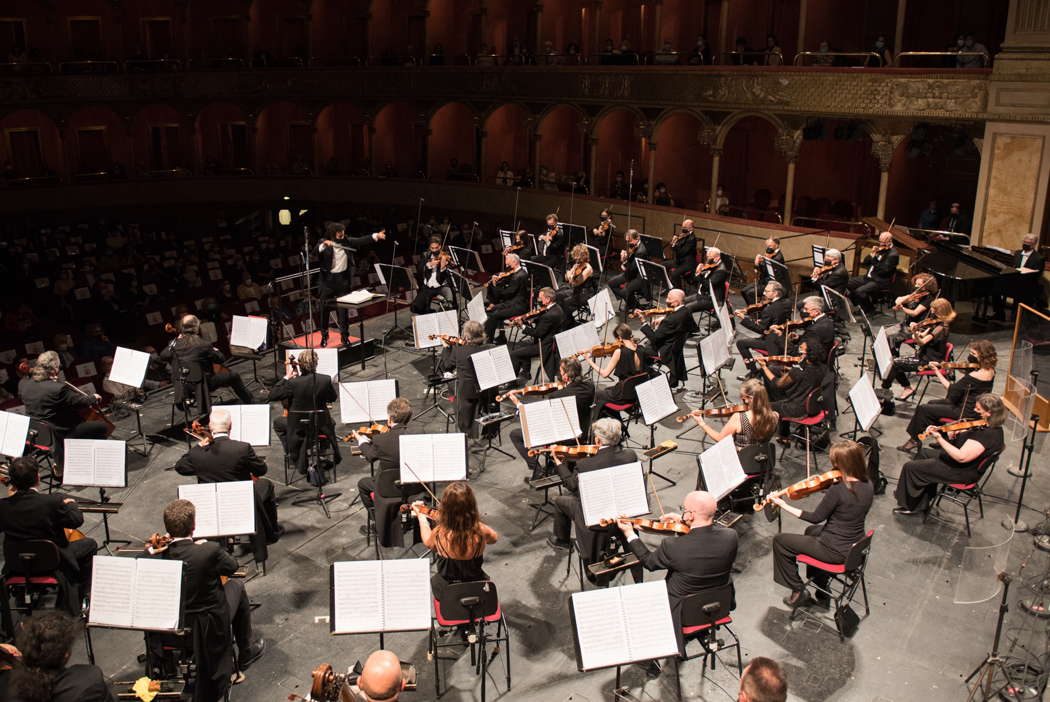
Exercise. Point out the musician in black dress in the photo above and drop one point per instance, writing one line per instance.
(711, 277)
(433, 277)
(507, 295)
(781, 274)
(915, 306)
(683, 255)
(882, 266)
(794, 384)
(552, 244)
(776, 310)
(931, 342)
(581, 282)
(842, 511)
(629, 284)
(667, 335)
(335, 250)
(626, 362)
(962, 393)
(455, 359)
(960, 457)
(539, 330)
(458, 538)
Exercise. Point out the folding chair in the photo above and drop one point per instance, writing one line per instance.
(472, 605)
(925, 375)
(704, 614)
(815, 416)
(843, 578)
(963, 494)
(31, 574)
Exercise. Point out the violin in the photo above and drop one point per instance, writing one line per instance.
(429, 512)
(752, 308)
(368, 431)
(199, 432)
(564, 452)
(448, 339)
(628, 251)
(498, 277)
(704, 267)
(914, 297)
(779, 359)
(669, 526)
(602, 350)
(603, 228)
(955, 426)
(726, 411)
(788, 326)
(927, 323)
(655, 312)
(74, 535)
(803, 488)
(531, 390)
(522, 318)
(821, 270)
(577, 273)
(951, 365)
(513, 249)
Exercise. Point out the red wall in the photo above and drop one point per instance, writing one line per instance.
(560, 23)
(618, 143)
(452, 135)
(561, 143)
(395, 138)
(838, 169)
(682, 162)
(506, 139)
(750, 162)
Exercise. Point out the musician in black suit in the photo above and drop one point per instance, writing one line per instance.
(882, 265)
(308, 394)
(711, 276)
(455, 359)
(212, 611)
(335, 272)
(629, 284)
(835, 277)
(540, 330)
(433, 277)
(781, 274)
(820, 330)
(575, 386)
(777, 310)
(683, 255)
(385, 449)
(506, 296)
(552, 244)
(1029, 290)
(45, 641)
(667, 336)
(701, 559)
(224, 460)
(27, 514)
(189, 356)
(568, 509)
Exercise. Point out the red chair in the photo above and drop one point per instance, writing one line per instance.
(963, 494)
(633, 409)
(815, 416)
(704, 615)
(924, 376)
(31, 573)
(471, 605)
(846, 577)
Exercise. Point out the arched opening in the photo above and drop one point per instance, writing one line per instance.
(159, 140)
(342, 140)
(396, 32)
(506, 139)
(452, 149)
(751, 170)
(506, 20)
(619, 144)
(279, 32)
(284, 140)
(223, 139)
(395, 143)
(561, 24)
(836, 176)
(560, 148)
(682, 162)
(450, 26)
(97, 143)
(33, 147)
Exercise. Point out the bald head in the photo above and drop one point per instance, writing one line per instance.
(381, 677)
(701, 508)
(219, 421)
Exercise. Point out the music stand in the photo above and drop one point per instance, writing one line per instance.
(396, 279)
(542, 275)
(596, 262)
(575, 234)
(654, 273)
(467, 259)
(654, 247)
(321, 497)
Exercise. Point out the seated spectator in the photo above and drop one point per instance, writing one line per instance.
(666, 56)
(619, 190)
(823, 60)
(701, 53)
(970, 60)
(880, 47)
(774, 54)
(741, 53)
(504, 174)
(661, 196)
(249, 289)
(572, 53)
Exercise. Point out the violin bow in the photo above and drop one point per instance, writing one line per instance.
(429, 492)
(568, 421)
(656, 495)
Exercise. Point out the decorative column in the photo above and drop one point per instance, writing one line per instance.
(647, 133)
(723, 28)
(882, 148)
(716, 160)
(596, 43)
(479, 148)
(370, 129)
(534, 148)
(658, 41)
(195, 157)
(800, 44)
(251, 126)
(789, 143)
(898, 35)
(537, 40)
(592, 144)
(423, 166)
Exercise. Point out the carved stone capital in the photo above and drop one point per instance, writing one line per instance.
(882, 148)
(788, 143)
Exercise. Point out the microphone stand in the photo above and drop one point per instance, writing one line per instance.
(572, 193)
(415, 234)
(517, 193)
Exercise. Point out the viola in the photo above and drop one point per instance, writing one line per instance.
(448, 339)
(199, 432)
(522, 318)
(955, 426)
(727, 411)
(779, 359)
(803, 488)
(74, 535)
(531, 390)
(563, 452)
(821, 270)
(789, 325)
(513, 249)
(927, 323)
(752, 308)
(669, 526)
(602, 350)
(704, 267)
(655, 312)
(499, 276)
(951, 365)
(429, 512)
(368, 431)
(914, 297)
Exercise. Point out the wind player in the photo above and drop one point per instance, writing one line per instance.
(667, 336)
(571, 376)
(629, 284)
(552, 244)
(781, 274)
(777, 310)
(335, 273)
(882, 265)
(456, 359)
(309, 394)
(581, 281)
(683, 255)
(434, 278)
(541, 329)
(710, 280)
(506, 297)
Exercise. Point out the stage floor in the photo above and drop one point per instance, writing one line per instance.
(916, 644)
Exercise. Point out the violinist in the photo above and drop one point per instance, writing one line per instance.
(571, 376)
(683, 255)
(190, 356)
(41, 668)
(335, 250)
(581, 281)
(552, 244)
(455, 359)
(626, 362)
(820, 329)
(628, 284)
(220, 459)
(433, 276)
(309, 394)
(27, 514)
(931, 345)
(776, 310)
(882, 266)
(755, 425)
(701, 559)
(915, 306)
(605, 230)
(794, 384)
(506, 296)
(842, 511)
(667, 336)
(458, 538)
(540, 329)
(385, 449)
(711, 277)
(568, 509)
(833, 273)
(962, 393)
(781, 273)
(959, 457)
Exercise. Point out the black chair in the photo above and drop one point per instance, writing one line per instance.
(632, 408)
(31, 573)
(41, 446)
(471, 605)
(843, 578)
(704, 615)
(963, 494)
(191, 396)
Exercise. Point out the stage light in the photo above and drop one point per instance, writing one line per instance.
(284, 217)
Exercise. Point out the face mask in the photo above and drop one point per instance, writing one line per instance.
(880, 44)
(972, 358)
(1026, 247)
(770, 249)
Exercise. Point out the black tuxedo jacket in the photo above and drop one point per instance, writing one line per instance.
(456, 359)
(822, 331)
(684, 251)
(716, 279)
(189, 351)
(309, 391)
(780, 273)
(882, 266)
(32, 515)
(605, 458)
(423, 271)
(385, 448)
(53, 402)
(1035, 260)
(222, 461)
(511, 294)
(676, 326)
(328, 252)
(630, 269)
(835, 279)
(556, 247)
(81, 683)
(776, 312)
(203, 564)
(546, 325)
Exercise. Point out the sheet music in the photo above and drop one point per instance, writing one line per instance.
(202, 495)
(656, 399)
(613, 492)
(725, 323)
(249, 332)
(157, 593)
(249, 423)
(235, 503)
(818, 255)
(602, 307)
(839, 302)
(129, 367)
(366, 401)
(714, 351)
(94, 463)
(327, 361)
(112, 591)
(493, 367)
(647, 618)
(406, 600)
(476, 308)
(424, 325)
(549, 421)
(374, 596)
(15, 428)
(721, 467)
(429, 458)
(866, 405)
(883, 355)
(582, 337)
(601, 628)
(506, 237)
